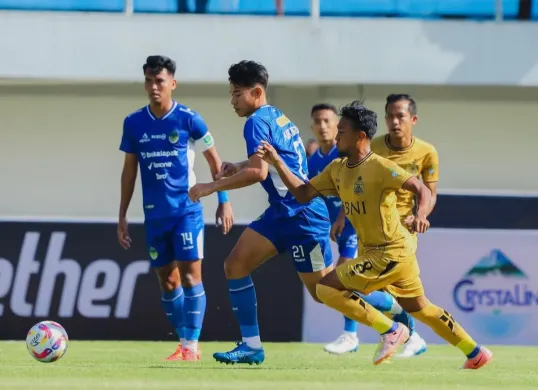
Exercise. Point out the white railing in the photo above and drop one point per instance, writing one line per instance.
(499, 10)
(129, 7)
(315, 9)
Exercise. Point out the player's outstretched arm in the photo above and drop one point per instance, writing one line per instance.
(128, 181)
(254, 172)
(228, 169)
(224, 212)
(413, 184)
(302, 191)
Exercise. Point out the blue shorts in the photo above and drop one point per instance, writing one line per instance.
(347, 242)
(305, 236)
(175, 238)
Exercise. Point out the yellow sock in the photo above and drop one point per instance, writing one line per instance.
(445, 326)
(354, 307)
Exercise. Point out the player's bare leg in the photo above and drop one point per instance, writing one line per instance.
(446, 327)
(311, 279)
(194, 307)
(173, 301)
(348, 340)
(334, 294)
(251, 250)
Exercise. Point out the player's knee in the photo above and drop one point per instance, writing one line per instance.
(191, 273)
(235, 267)
(325, 294)
(413, 305)
(342, 260)
(169, 278)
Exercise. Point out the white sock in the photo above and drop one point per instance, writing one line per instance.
(395, 308)
(190, 344)
(253, 342)
(351, 334)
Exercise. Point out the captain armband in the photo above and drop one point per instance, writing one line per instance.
(208, 141)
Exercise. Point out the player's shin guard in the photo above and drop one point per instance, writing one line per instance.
(194, 311)
(353, 306)
(173, 302)
(445, 326)
(244, 305)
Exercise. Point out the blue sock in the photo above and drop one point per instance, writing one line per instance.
(383, 302)
(173, 306)
(392, 328)
(406, 319)
(350, 325)
(194, 311)
(244, 305)
(473, 354)
(380, 300)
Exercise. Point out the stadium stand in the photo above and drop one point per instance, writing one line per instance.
(471, 9)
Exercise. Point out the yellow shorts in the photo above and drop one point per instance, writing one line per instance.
(371, 272)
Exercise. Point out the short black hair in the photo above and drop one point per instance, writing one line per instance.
(248, 74)
(156, 64)
(396, 97)
(323, 106)
(362, 118)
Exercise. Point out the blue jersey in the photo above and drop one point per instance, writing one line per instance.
(165, 151)
(269, 124)
(316, 164)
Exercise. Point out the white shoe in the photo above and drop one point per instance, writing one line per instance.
(347, 342)
(415, 346)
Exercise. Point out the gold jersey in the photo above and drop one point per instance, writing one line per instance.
(419, 159)
(368, 193)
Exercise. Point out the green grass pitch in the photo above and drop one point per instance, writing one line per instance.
(288, 366)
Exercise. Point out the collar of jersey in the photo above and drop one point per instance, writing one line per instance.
(395, 148)
(325, 155)
(174, 105)
(360, 162)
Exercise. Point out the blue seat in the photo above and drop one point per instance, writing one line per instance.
(161, 6)
(357, 7)
(417, 8)
(477, 8)
(258, 7)
(64, 5)
(534, 10)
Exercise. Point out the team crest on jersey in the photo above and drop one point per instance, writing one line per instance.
(173, 137)
(153, 253)
(358, 187)
(413, 167)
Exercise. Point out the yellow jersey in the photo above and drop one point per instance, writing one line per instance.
(368, 193)
(420, 159)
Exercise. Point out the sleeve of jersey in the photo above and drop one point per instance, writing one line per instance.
(430, 170)
(393, 175)
(256, 130)
(199, 132)
(324, 182)
(126, 144)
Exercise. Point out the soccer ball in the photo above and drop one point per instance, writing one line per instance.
(47, 341)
